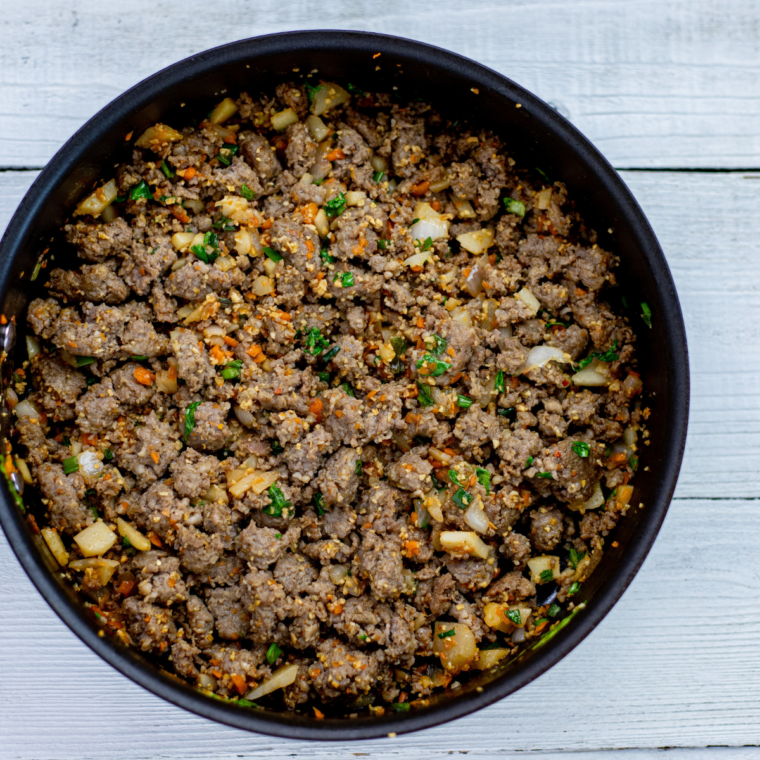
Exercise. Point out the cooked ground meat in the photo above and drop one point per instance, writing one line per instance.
(348, 380)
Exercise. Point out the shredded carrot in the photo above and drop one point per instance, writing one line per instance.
(254, 351)
(309, 212)
(239, 683)
(540, 627)
(315, 407)
(125, 587)
(412, 418)
(456, 377)
(154, 539)
(338, 413)
(580, 292)
(284, 316)
(615, 544)
(230, 341)
(217, 355)
(412, 548)
(154, 456)
(216, 673)
(144, 376)
(318, 714)
(266, 224)
(89, 439)
(492, 259)
(450, 452)
(128, 137)
(436, 205)
(420, 322)
(179, 213)
(335, 155)
(189, 173)
(451, 352)
(421, 188)
(466, 272)
(618, 458)
(172, 372)
(3, 319)
(416, 269)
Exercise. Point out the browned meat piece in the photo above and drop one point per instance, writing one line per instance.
(95, 282)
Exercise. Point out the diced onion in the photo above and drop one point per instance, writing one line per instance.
(474, 282)
(95, 540)
(355, 198)
(462, 315)
(262, 286)
(156, 136)
(205, 681)
(317, 128)
(282, 677)
(270, 267)
(527, 297)
(166, 381)
(487, 658)
(108, 214)
(322, 223)
(440, 184)
(23, 468)
(195, 205)
(593, 375)
(244, 416)
(321, 166)
(379, 164)
(455, 651)
(32, 347)
(418, 259)
(463, 208)
(104, 567)
(258, 482)
(544, 198)
(225, 263)
(225, 110)
(216, 493)
(181, 240)
(476, 518)
(54, 543)
(629, 436)
(538, 565)
(541, 355)
(133, 535)
(463, 542)
(337, 573)
(98, 200)
(89, 465)
(477, 242)
(594, 501)
(11, 398)
(329, 95)
(518, 636)
(448, 277)
(235, 207)
(435, 229)
(283, 119)
(26, 409)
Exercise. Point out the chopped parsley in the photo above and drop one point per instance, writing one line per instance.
(462, 498)
(434, 367)
(606, 356)
(554, 610)
(336, 206)
(484, 478)
(378, 176)
(141, 191)
(273, 653)
(226, 153)
(232, 370)
(246, 192)
(277, 503)
(70, 466)
(546, 576)
(545, 475)
(425, 396)
(278, 536)
(581, 448)
(190, 418)
(427, 243)
(331, 353)
(646, 315)
(463, 401)
(346, 279)
(272, 254)
(319, 503)
(316, 344)
(576, 557)
(515, 617)
(324, 254)
(498, 383)
(359, 467)
(169, 173)
(514, 207)
(446, 634)
(83, 361)
(575, 587)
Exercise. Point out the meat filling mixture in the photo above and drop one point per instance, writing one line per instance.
(328, 410)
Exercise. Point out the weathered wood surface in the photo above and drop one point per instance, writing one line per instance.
(652, 83)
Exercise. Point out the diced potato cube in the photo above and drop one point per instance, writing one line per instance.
(543, 565)
(54, 543)
(457, 650)
(95, 540)
(128, 531)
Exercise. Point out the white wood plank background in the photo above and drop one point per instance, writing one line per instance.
(655, 85)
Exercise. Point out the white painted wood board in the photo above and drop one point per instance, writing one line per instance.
(652, 83)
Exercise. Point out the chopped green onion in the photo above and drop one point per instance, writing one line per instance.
(83, 361)
(576, 557)
(546, 576)
(454, 477)
(484, 478)
(515, 617)
(273, 653)
(462, 498)
(607, 356)
(232, 370)
(354, 89)
(140, 358)
(190, 418)
(633, 462)
(545, 475)
(434, 367)
(427, 243)
(507, 412)
(575, 587)
(514, 207)
(440, 345)
(125, 542)
(319, 503)
(463, 401)
(276, 447)
(324, 254)
(223, 223)
(400, 706)
(311, 91)
(439, 485)
(316, 344)
(528, 462)
(363, 636)
(446, 634)
(331, 353)
(581, 448)
(346, 279)
(425, 396)
(246, 703)
(554, 610)
(382, 244)
(272, 254)
(378, 176)
(108, 455)
(226, 153)
(324, 376)
(336, 206)
(414, 221)
(498, 383)
(70, 465)
(277, 503)
(169, 173)
(543, 174)
(646, 315)
(141, 191)
(348, 390)
(359, 467)
(246, 192)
